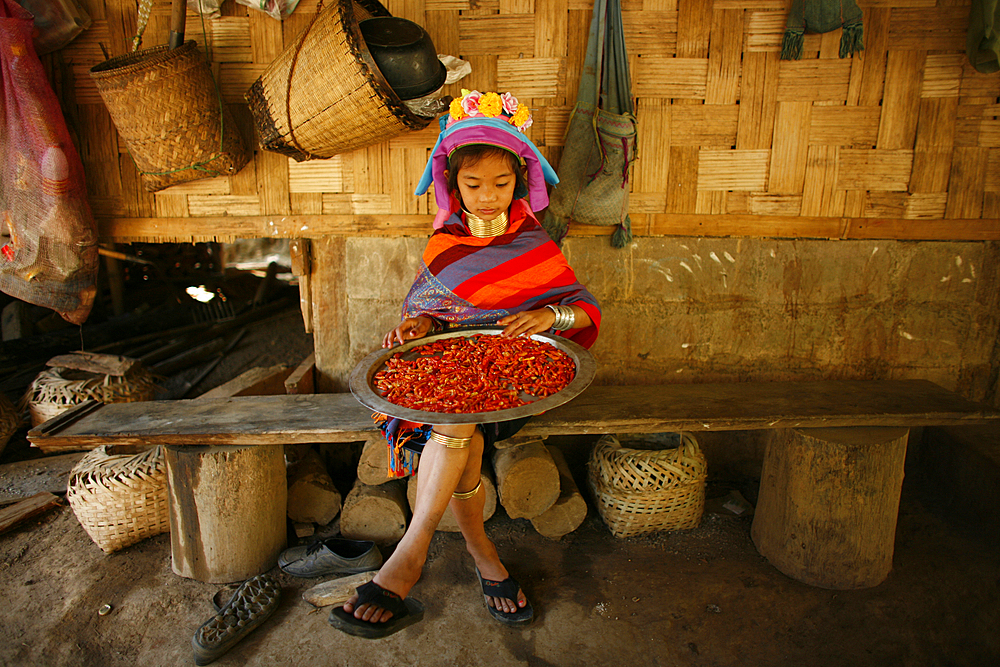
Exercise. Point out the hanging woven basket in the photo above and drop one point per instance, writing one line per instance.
(324, 94)
(167, 107)
(57, 389)
(641, 491)
(120, 496)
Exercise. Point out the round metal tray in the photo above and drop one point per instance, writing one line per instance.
(364, 373)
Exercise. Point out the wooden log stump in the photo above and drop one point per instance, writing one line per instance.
(312, 496)
(227, 510)
(378, 513)
(829, 498)
(448, 523)
(527, 479)
(373, 466)
(569, 510)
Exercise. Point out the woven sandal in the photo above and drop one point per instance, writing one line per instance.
(404, 613)
(251, 604)
(508, 589)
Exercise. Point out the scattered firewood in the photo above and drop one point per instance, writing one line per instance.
(527, 479)
(304, 529)
(257, 381)
(336, 591)
(27, 508)
(102, 364)
(569, 511)
(448, 522)
(312, 497)
(302, 378)
(518, 441)
(377, 513)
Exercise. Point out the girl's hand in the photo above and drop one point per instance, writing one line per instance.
(409, 329)
(528, 322)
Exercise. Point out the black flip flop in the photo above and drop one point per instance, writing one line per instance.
(508, 589)
(404, 613)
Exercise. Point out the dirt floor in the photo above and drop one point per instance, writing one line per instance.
(698, 597)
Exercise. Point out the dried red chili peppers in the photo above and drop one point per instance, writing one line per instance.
(475, 373)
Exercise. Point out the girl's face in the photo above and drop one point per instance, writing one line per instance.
(486, 187)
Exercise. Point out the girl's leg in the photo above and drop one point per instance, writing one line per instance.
(440, 471)
(469, 516)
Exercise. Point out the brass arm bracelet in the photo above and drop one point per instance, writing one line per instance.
(450, 442)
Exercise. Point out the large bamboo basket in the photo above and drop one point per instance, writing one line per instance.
(57, 389)
(641, 491)
(169, 111)
(120, 495)
(324, 94)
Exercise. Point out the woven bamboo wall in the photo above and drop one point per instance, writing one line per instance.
(901, 141)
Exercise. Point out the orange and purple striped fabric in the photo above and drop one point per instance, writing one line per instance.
(467, 280)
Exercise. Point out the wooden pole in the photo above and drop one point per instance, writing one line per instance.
(829, 498)
(227, 510)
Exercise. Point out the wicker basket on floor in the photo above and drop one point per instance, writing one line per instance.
(58, 389)
(120, 495)
(324, 94)
(642, 491)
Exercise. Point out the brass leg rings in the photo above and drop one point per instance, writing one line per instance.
(465, 495)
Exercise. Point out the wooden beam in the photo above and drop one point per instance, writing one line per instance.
(192, 230)
(318, 418)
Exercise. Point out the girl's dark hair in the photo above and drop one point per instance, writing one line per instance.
(468, 156)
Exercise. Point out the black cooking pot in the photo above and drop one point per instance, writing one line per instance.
(405, 55)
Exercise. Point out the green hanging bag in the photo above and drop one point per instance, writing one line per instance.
(600, 141)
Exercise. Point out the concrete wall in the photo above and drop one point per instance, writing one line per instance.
(727, 309)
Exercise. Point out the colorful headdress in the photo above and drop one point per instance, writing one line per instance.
(486, 118)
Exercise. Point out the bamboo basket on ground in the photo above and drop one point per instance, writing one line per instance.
(9, 420)
(641, 491)
(57, 389)
(119, 495)
(324, 94)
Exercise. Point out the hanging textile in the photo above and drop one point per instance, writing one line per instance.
(822, 16)
(600, 142)
(48, 254)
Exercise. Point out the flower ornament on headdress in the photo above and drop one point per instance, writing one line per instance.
(474, 104)
(493, 119)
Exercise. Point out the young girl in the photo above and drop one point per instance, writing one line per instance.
(488, 262)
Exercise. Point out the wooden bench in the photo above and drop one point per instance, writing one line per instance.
(830, 482)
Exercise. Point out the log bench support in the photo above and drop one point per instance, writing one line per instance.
(227, 511)
(829, 497)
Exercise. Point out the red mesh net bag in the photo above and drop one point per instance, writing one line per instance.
(48, 251)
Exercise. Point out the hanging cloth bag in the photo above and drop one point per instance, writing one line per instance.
(600, 141)
(819, 16)
(48, 251)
